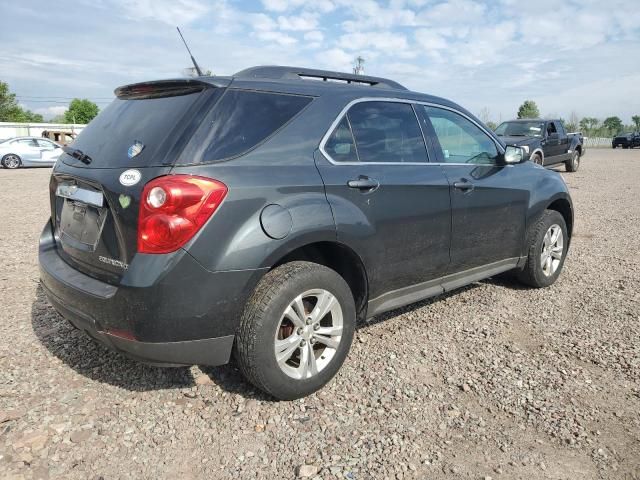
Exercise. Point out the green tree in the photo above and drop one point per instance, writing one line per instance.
(10, 111)
(613, 125)
(572, 124)
(636, 121)
(528, 109)
(81, 111)
(491, 125)
(589, 125)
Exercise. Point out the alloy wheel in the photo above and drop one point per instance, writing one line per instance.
(11, 161)
(552, 250)
(308, 334)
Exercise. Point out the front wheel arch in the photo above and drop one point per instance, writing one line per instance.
(563, 207)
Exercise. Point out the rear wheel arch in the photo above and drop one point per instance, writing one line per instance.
(538, 151)
(340, 258)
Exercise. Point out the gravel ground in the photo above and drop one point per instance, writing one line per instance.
(493, 381)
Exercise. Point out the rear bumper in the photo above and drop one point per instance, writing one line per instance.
(209, 351)
(185, 316)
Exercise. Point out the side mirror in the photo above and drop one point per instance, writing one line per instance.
(513, 155)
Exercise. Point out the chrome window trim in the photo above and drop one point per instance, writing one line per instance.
(346, 108)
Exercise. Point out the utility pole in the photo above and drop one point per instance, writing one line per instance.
(358, 66)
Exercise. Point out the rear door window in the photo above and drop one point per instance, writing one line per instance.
(387, 132)
(240, 121)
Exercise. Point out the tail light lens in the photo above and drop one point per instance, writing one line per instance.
(173, 208)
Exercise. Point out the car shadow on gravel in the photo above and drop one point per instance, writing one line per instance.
(96, 362)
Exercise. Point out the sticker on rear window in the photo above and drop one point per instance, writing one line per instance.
(130, 177)
(135, 149)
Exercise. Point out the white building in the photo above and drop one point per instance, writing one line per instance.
(11, 129)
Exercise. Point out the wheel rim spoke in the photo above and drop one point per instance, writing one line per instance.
(308, 365)
(328, 341)
(285, 348)
(330, 331)
(292, 315)
(326, 302)
(298, 305)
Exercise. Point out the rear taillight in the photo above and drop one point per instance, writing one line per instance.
(173, 208)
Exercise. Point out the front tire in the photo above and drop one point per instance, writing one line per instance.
(296, 330)
(548, 245)
(573, 163)
(11, 161)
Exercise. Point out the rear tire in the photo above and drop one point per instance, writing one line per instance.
(547, 250)
(536, 158)
(280, 344)
(11, 161)
(573, 163)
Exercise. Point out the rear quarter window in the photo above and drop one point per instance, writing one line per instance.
(239, 121)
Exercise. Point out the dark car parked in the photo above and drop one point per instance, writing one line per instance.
(262, 214)
(626, 140)
(545, 141)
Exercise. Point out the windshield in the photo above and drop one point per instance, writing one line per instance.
(520, 129)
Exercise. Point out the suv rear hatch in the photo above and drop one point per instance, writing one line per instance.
(95, 188)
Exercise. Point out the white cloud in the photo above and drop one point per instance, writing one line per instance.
(297, 23)
(276, 37)
(314, 36)
(323, 6)
(261, 22)
(335, 59)
(50, 112)
(172, 12)
(430, 39)
(387, 42)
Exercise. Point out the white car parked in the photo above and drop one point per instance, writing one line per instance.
(29, 152)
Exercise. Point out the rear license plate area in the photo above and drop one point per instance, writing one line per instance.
(81, 224)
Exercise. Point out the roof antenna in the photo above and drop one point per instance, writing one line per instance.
(195, 64)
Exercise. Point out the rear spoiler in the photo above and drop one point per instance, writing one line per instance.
(168, 88)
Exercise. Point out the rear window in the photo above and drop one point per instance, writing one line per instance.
(240, 121)
(157, 123)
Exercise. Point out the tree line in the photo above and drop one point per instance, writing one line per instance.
(589, 126)
(79, 110)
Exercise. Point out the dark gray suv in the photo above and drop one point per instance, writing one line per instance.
(262, 214)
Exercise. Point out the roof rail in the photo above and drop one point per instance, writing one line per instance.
(276, 72)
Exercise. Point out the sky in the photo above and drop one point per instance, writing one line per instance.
(579, 56)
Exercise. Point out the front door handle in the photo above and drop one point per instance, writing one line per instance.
(363, 183)
(463, 185)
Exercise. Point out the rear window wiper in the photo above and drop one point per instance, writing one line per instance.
(77, 154)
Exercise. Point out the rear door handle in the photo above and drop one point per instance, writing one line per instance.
(464, 185)
(363, 183)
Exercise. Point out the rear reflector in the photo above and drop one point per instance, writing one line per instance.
(173, 208)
